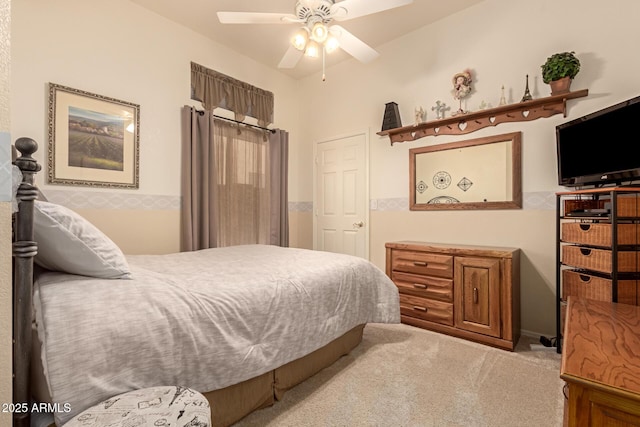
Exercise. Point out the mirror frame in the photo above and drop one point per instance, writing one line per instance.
(516, 173)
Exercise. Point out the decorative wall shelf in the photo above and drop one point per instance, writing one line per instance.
(471, 122)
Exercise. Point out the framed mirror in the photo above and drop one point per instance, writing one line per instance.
(482, 173)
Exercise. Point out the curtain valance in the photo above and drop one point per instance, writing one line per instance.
(215, 90)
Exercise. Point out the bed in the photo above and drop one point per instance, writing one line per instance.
(240, 324)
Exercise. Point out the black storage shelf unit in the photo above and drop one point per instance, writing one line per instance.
(615, 213)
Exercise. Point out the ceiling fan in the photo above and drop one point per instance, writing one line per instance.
(316, 36)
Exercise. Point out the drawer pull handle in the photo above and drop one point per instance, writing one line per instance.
(417, 307)
(419, 286)
(475, 295)
(585, 227)
(585, 251)
(419, 263)
(585, 278)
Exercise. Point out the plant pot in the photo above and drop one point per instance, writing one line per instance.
(560, 86)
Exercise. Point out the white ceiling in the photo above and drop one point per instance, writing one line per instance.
(267, 43)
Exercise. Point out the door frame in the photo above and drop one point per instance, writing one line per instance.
(316, 144)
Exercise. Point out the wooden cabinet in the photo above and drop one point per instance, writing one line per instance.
(598, 250)
(600, 363)
(472, 292)
(477, 296)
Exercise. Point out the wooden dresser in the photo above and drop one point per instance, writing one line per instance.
(472, 292)
(601, 363)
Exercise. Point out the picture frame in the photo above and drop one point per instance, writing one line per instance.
(94, 140)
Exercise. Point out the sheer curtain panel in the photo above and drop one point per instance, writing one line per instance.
(234, 183)
(241, 163)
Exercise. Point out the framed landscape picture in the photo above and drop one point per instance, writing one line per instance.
(93, 139)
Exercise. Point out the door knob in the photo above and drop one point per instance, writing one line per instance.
(358, 224)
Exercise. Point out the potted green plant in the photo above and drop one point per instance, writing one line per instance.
(559, 70)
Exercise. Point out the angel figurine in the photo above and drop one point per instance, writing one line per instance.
(419, 115)
(461, 88)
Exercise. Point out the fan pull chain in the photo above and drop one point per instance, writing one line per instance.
(323, 75)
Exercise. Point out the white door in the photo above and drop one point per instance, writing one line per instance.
(341, 195)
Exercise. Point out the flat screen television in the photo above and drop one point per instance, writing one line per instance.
(600, 148)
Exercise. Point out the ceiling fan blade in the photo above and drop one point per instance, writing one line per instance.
(349, 9)
(290, 58)
(353, 45)
(256, 18)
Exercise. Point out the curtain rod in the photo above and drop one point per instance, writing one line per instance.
(201, 112)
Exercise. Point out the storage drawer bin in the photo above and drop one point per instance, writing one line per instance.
(583, 285)
(599, 234)
(628, 206)
(600, 259)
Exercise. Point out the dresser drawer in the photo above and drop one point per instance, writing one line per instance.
(424, 263)
(599, 234)
(579, 284)
(425, 309)
(424, 286)
(599, 259)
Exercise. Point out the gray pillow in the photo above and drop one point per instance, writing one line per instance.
(69, 243)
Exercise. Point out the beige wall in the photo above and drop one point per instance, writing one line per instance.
(118, 49)
(147, 231)
(500, 40)
(158, 231)
(301, 230)
(6, 325)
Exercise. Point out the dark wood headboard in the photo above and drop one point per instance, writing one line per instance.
(24, 249)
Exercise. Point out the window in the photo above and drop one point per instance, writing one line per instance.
(241, 164)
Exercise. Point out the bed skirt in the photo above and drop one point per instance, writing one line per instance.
(231, 404)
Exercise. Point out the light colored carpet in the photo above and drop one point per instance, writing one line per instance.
(405, 376)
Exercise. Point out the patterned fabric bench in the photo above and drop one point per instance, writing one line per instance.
(170, 406)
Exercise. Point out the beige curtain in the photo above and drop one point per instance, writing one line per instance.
(215, 89)
(279, 161)
(234, 183)
(197, 222)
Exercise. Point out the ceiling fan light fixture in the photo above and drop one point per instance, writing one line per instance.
(312, 50)
(319, 32)
(331, 44)
(300, 39)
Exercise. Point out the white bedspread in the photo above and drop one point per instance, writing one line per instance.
(205, 319)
